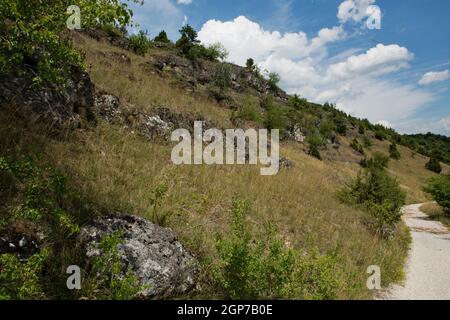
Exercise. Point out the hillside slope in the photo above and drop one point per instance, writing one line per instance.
(116, 169)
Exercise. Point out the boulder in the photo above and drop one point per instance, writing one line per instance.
(153, 253)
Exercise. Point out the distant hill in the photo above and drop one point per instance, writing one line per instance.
(429, 144)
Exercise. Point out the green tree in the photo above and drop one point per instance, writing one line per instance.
(439, 188)
(434, 165)
(188, 41)
(30, 35)
(393, 152)
(162, 37)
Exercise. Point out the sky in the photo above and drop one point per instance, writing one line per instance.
(384, 60)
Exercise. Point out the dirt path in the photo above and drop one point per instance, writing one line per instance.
(428, 266)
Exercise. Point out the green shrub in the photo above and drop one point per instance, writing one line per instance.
(222, 76)
(248, 112)
(140, 43)
(380, 194)
(367, 142)
(315, 141)
(162, 37)
(378, 161)
(434, 165)
(439, 188)
(273, 80)
(393, 152)
(214, 52)
(341, 127)
(22, 281)
(111, 279)
(276, 118)
(261, 267)
(355, 145)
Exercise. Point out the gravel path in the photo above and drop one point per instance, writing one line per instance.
(428, 266)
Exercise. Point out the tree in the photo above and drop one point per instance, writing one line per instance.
(439, 188)
(162, 37)
(30, 41)
(188, 41)
(274, 79)
(434, 165)
(393, 152)
(250, 64)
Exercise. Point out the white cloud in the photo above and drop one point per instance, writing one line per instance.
(376, 61)
(351, 78)
(385, 124)
(184, 1)
(431, 77)
(356, 10)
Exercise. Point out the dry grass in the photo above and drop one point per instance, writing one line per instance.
(410, 171)
(436, 212)
(118, 170)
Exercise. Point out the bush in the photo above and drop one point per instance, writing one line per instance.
(273, 80)
(341, 127)
(140, 43)
(109, 280)
(276, 118)
(393, 152)
(355, 145)
(249, 112)
(162, 37)
(222, 77)
(367, 142)
(22, 281)
(261, 267)
(434, 165)
(378, 161)
(215, 52)
(439, 188)
(380, 194)
(315, 141)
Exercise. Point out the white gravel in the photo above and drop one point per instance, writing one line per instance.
(428, 266)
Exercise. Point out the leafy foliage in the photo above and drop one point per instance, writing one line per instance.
(112, 279)
(30, 36)
(140, 43)
(434, 165)
(429, 144)
(162, 37)
(393, 152)
(261, 267)
(22, 281)
(439, 188)
(380, 194)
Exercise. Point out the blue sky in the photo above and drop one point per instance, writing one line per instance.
(397, 75)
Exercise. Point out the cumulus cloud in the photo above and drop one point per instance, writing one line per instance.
(376, 61)
(431, 77)
(351, 81)
(184, 1)
(358, 10)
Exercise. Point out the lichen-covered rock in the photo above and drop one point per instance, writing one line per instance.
(154, 254)
(107, 107)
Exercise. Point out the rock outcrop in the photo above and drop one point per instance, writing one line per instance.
(55, 105)
(154, 254)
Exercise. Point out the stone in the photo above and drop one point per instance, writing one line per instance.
(153, 253)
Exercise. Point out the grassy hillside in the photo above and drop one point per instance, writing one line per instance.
(116, 170)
